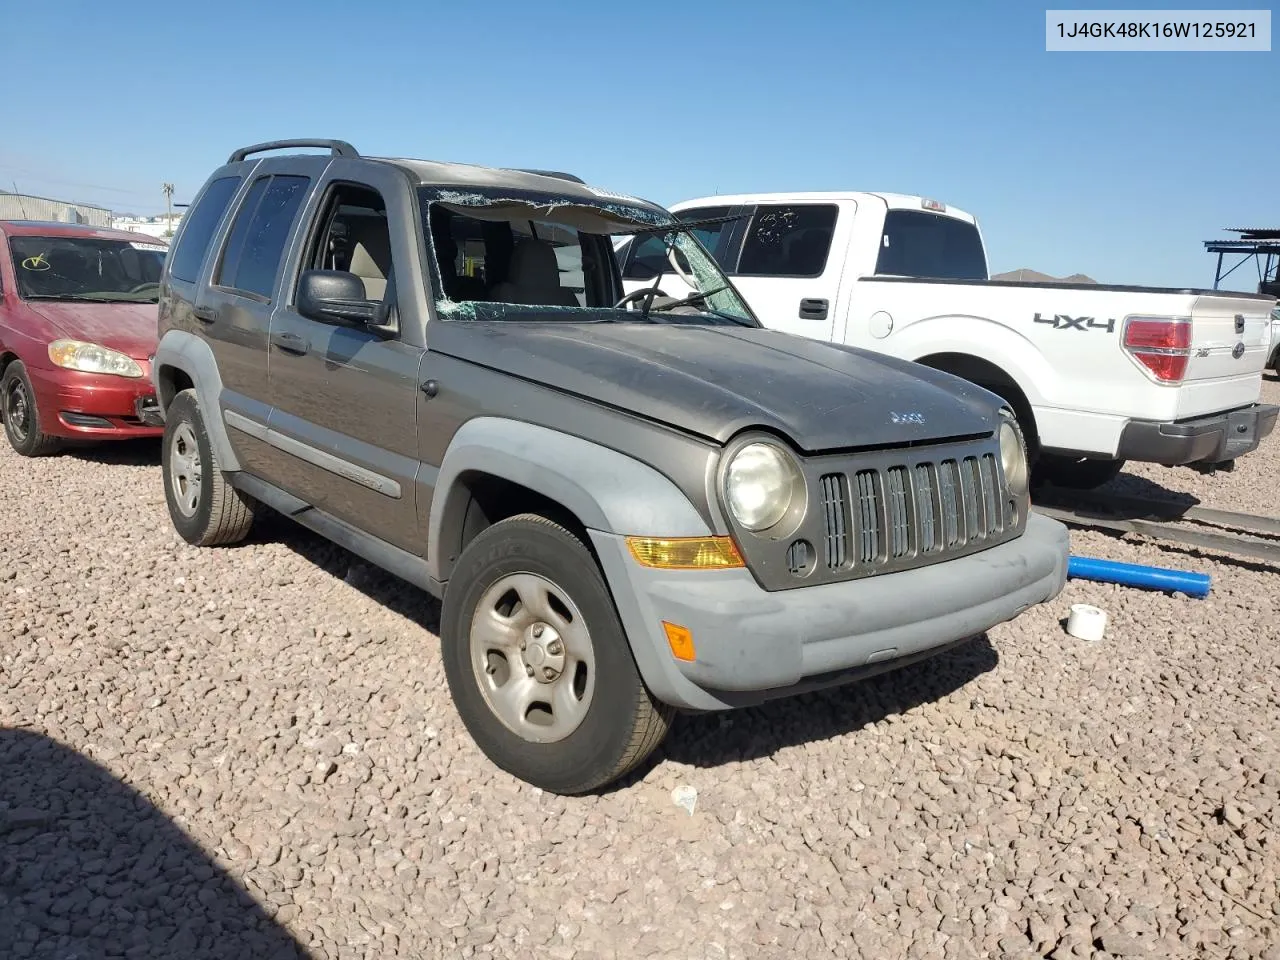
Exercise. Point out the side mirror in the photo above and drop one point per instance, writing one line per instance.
(334, 296)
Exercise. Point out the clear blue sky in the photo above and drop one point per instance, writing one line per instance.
(1115, 165)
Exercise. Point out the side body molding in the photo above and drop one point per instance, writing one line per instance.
(608, 491)
(188, 353)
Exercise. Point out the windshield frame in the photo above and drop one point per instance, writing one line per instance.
(20, 254)
(627, 217)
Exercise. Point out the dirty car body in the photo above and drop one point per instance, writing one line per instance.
(77, 316)
(440, 357)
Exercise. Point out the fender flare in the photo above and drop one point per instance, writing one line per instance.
(184, 351)
(606, 490)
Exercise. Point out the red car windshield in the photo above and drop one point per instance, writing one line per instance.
(87, 268)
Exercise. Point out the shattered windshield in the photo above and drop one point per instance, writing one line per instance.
(87, 268)
(539, 258)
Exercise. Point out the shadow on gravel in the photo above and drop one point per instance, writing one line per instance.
(379, 586)
(709, 740)
(120, 453)
(90, 869)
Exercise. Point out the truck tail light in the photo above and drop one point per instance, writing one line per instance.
(1162, 345)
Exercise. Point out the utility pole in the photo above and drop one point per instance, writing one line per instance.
(168, 200)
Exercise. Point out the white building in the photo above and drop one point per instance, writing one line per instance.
(151, 226)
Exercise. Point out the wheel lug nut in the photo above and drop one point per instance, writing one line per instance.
(548, 673)
(554, 648)
(537, 631)
(528, 669)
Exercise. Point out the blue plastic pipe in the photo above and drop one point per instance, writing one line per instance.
(1136, 575)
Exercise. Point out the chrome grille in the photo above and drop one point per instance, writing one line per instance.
(908, 510)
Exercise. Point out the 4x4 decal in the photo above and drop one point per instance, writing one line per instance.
(1060, 321)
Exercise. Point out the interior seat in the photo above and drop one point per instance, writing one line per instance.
(371, 255)
(534, 277)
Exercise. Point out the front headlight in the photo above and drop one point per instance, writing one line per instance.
(761, 485)
(1013, 457)
(92, 358)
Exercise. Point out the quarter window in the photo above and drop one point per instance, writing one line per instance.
(790, 240)
(201, 224)
(255, 246)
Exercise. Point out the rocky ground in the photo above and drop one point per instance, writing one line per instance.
(251, 752)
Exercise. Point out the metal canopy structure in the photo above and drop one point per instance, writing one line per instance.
(1259, 244)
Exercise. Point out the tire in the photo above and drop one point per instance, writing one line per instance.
(1075, 473)
(21, 415)
(205, 509)
(602, 720)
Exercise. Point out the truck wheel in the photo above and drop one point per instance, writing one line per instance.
(1075, 473)
(205, 509)
(537, 661)
(21, 416)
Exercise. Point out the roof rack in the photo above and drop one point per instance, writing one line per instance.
(552, 173)
(339, 148)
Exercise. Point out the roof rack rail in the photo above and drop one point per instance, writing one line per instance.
(552, 173)
(339, 148)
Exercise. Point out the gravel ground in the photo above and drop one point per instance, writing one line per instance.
(251, 752)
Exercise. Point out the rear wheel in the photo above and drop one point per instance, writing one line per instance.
(537, 661)
(21, 415)
(1075, 473)
(205, 509)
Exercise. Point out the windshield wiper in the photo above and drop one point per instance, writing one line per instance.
(689, 301)
(90, 299)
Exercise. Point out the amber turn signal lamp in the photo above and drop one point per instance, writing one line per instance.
(685, 553)
(680, 640)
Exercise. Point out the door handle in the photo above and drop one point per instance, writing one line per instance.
(205, 314)
(290, 343)
(813, 309)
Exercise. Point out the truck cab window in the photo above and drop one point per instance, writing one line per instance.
(930, 245)
(648, 256)
(788, 241)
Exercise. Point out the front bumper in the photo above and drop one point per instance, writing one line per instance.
(95, 406)
(1211, 439)
(753, 645)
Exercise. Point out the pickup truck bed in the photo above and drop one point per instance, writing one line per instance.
(1097, 372)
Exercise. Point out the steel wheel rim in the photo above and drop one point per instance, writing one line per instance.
(185, 470)
(532, 657)
(17, 410)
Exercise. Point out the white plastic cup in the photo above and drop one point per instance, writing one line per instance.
(1086, 622)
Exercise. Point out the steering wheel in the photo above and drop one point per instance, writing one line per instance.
(675, 265)
(640, 294)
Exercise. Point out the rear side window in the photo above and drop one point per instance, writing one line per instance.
(788, 241)
(202, 223)
(649, 254)
(930, 245)
(255, 245)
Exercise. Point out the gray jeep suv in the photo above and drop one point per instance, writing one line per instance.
(627, 503)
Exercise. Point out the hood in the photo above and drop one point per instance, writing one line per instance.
(715, 381)
(131, 328)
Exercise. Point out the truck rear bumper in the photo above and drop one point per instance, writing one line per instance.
(1211, 439)
(752, 645)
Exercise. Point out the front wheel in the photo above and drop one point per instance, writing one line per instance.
(205, 509)
(21, 416)
(1075, 473)
(538, 663)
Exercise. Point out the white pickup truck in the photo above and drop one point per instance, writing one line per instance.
(1097, 374)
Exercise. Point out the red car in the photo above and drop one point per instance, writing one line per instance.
(77, 331)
